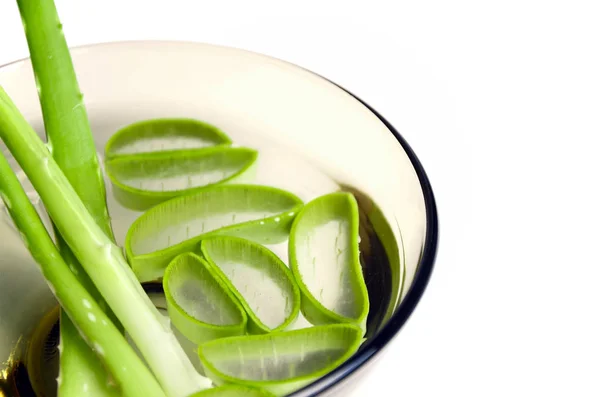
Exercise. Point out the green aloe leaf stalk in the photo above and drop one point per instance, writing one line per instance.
(262, 283)
(259, 213)
(164, 134)
(72, 145)
(280, 362)
(101, 258)
(130, 375)
(324, 257)
(142, 181)
(199, 303)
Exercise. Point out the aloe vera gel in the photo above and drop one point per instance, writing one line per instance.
(200, 262)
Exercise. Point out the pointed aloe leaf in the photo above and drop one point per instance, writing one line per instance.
(233, 391)
(199, 303)
(324, 257)
(260, 213)
(145, 180)
(165, 134)
(280, 362)
(263, 284)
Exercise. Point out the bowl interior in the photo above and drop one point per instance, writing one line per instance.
(295, 119)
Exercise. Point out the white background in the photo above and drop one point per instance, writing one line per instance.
(501, 102)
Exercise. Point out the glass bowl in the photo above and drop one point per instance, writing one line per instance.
(321, 137)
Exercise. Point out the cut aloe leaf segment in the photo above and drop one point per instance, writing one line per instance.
(262, 283)
(233, 391)
(259, 213)
(145, 180)
(164, 134)
(199, 303)
(324, 258)
(280, 362)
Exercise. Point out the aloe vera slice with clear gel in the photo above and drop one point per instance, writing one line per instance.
(259, 213)
(324, 258)
(262, 283)
(164, 134)
(233, 391)
(142, 181)
(199, 303)
(280, 362)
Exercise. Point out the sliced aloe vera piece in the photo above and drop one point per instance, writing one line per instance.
(280, 362)
(142, 181)
(262, 283)
(259, 213)
(199, 302)
(165, 134)
(233, 391)
(324, 257)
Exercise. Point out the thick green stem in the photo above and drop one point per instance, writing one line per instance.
(102, 259)
(129, 372)
(71, 140)
(65, 117)
(81, 372)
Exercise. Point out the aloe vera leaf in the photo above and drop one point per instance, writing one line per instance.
(324, 258)
(259, 213)
(65, 118)
(262, 283)
(101, 258)
(199, 303)
(72, 145)
(144, 180)
(131, 375)
(164, 134)
(233, 391)
(280, 362)
(80, 371)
